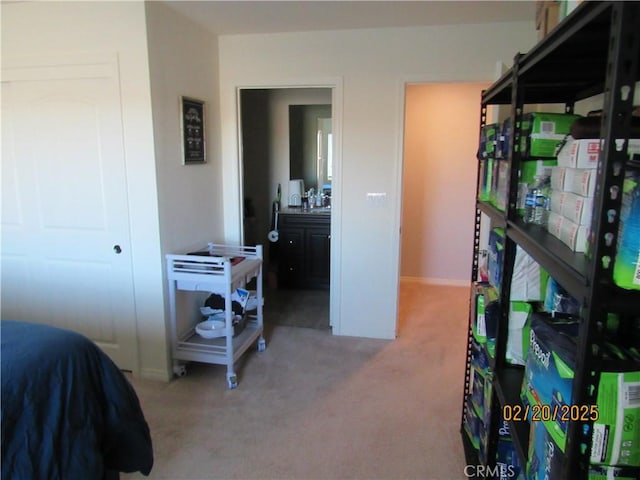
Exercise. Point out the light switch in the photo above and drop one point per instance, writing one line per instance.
(377, 199)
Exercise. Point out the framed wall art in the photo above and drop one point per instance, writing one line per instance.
(193, 127)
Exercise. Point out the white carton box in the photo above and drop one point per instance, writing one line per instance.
(584, 153)
(557, 200)
(574, 236)
(577, 180)
(581, 181)
(554, 224)
(577, 209)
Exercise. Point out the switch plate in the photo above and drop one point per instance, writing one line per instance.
(377, 199)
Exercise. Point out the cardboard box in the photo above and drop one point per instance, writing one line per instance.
(547, 17)
(577, 209)
(543, 133)
(584, 153)
(581, 181)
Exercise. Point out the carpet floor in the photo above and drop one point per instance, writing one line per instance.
(318, 406)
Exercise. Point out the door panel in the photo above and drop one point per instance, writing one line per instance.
(64, 206)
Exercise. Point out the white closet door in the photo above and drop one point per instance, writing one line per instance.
(66, 256)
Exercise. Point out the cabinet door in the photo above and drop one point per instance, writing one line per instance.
(291, 264)
(318, 254)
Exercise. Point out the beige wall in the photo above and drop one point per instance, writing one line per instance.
(439, 177)
(367, 70)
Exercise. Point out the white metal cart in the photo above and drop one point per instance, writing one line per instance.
(220, 269)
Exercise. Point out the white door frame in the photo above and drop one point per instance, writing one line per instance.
(336, 86)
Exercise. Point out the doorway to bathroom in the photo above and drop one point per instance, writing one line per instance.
(283, 137)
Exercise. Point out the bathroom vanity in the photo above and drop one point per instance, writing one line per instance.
(305, 246)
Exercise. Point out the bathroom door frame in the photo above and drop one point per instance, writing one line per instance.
(336, 87)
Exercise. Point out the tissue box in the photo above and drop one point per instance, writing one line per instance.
(577, 209)
(543, 133)
(529, 280)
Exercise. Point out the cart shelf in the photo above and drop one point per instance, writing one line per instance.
(219, 269)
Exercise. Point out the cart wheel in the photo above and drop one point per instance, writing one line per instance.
(262, 345)
(232, 382)
(180, 370)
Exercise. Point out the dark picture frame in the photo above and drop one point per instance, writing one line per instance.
(192, 126)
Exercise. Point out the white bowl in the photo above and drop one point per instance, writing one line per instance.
(211, 328)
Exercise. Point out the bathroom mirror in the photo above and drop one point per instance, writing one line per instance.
(310, 145)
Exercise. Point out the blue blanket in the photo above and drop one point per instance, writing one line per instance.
(67, 411)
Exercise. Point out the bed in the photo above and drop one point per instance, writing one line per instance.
(67, 411)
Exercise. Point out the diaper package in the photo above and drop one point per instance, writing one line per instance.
(529, 279)
(548, 387)
(518, 336)
(496, 255)
(486, 315)
(626, 269)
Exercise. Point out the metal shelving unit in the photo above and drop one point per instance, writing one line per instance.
(595, 50)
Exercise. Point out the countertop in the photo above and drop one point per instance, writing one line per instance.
(310, 211)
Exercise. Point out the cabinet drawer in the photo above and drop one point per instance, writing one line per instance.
(291, 241)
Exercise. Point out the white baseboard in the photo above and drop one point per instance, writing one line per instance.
(446, 282)
(156, 374)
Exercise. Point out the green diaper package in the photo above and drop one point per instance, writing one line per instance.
(616, 432)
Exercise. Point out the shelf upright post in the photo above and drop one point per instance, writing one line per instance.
(472, 459)
(515, 157)
(621, 76)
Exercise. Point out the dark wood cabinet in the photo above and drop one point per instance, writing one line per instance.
(304, 250)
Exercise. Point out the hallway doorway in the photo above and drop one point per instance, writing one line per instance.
(439, 183)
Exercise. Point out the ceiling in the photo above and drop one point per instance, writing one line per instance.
(247, 17)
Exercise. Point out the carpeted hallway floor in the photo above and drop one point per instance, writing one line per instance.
(318, 406)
